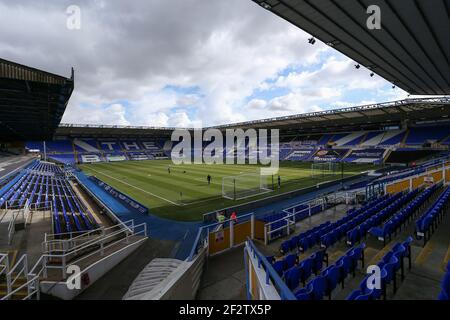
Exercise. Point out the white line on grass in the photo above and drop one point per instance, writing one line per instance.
(140, 189)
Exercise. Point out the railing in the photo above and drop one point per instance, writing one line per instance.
(271, 276)
(12, 224)
(50, 240)
(20, 269)
(99, 245)
(201, 239)
(290, 221)
(14, 274)
(24, 212)
(4, 263)
(66, 246)
(442, 169)
(42, 266)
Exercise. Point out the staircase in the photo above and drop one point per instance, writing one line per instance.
(20, 284)
(153, 274)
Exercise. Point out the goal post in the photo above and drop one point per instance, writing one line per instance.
(246, 185)
(323, 169)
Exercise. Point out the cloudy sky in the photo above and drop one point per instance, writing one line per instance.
(182, 62)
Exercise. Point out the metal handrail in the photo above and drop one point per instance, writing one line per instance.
(284, 291)
(82, 236)
(208, 227)
(10, 278)
(65, 256)
(4, 263)
(41, 267)
(84, 233)
(88, 243)
(12, 225)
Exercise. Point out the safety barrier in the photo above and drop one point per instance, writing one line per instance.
(58, 259)
(291, 215)
(222, 236)
(4, 263)
(418, 180)
(262, 281)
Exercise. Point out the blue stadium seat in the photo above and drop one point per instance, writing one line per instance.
(279, 267)
(317, 287)
(292, 277)
(332, 275)
(445, 287)
(290, 261)
(306, 269)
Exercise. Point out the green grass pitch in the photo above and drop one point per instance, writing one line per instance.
(184, 194)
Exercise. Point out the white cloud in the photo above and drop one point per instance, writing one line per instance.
(256, 104)
(111, 114)
(129, 53)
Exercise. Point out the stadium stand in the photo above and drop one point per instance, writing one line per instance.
(82, 150)
(428, 223)
(357, 233)
(422, 135)
(357, 147)
(44, 185)
(391, 263)
(325, 281)
(369, 155)
(403, 217)
(356, 217)
(411, 52)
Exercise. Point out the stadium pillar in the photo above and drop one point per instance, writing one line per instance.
(231, 234)
(252, 226)
(443, 172)
(266, 240)
(45, 151)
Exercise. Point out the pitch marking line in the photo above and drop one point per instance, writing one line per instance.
(137, 188)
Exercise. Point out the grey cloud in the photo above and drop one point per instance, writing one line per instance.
(126, 49)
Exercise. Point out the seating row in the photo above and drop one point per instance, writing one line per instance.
(427, 224)
(388, 267)
(342, 226)
(403, 216)
(325, 283)
(357, 233)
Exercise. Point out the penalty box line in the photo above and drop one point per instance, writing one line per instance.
(137, 188)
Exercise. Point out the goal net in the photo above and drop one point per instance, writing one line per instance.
(246, 185)
(323, 169)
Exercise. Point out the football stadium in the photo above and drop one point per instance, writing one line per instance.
(345, 202)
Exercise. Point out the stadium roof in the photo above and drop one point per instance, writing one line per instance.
(412, 49)
(87, 130)
(32, 102)
(368, 117)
